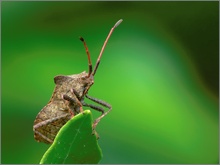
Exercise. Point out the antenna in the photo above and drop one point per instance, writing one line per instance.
(88, 54)
(103, 47)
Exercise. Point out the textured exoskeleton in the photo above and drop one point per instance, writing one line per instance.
(68, 99)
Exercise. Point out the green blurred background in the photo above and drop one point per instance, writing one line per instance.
(159, 71)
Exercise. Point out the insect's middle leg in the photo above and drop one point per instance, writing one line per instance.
(99, 101)
(99, 109)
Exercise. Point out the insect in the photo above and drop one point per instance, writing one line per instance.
(68, 99)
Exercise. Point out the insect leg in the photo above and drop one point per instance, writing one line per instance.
(100, 109)
(75, 93)
(38, 135)
(48, 121)
(103, 114)
(44, 137)
(99, 101)
(72, 100)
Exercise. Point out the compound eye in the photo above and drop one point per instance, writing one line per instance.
(83, 77)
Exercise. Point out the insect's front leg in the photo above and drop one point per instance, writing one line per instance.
(107, 105)
(73, 100)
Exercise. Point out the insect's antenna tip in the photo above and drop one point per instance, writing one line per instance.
(88, 55)
(103, 47)
(81, 39)
(118, 23)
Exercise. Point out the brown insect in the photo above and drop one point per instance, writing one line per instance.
(68, 98)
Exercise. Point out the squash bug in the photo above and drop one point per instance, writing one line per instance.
(68, 99)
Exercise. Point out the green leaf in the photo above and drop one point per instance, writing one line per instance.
(74, 143)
